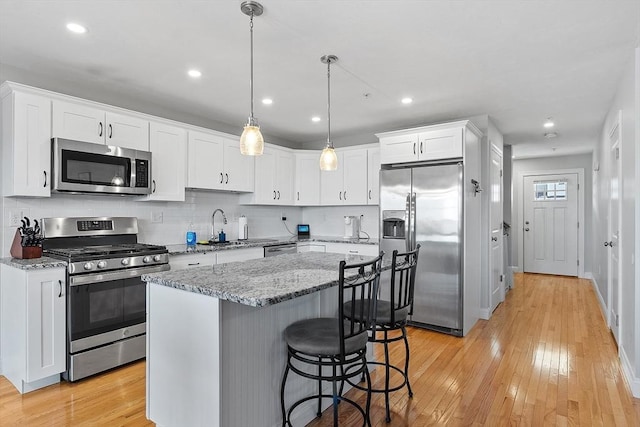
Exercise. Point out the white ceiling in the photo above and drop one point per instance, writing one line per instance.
(517, 61)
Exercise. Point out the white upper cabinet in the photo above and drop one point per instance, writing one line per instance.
(215, 163)
(274, 176)
(437, 142)
(348, 184)
(168, 146)
(26, 134)
(373, 176)
(85, 123)
(307, 191)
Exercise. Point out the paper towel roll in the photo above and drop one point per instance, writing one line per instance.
(243, 230)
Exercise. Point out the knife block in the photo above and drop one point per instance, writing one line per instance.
(24, 252)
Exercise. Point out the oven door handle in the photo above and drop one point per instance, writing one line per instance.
(86, 279)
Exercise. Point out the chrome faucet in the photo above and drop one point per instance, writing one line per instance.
(213, 221)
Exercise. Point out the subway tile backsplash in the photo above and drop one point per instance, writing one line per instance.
(167, 222)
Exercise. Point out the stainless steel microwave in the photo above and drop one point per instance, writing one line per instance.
(82, 167)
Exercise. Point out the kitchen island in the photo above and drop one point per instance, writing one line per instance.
(215, 347)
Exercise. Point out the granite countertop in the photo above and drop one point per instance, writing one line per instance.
(177, 249)
(259, 282)
(33, 263)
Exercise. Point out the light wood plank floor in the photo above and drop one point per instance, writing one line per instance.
(546, 357)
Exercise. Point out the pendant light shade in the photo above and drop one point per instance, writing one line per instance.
(251, 140)
(328, 158)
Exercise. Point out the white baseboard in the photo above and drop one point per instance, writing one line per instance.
(627, 371)
(603, 307)
(587, 275)
(484, 314)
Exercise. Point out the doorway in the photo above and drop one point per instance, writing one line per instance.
(613, 243)
(551, 223)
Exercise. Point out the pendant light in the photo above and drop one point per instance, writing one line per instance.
(328, 158)
(251, 141)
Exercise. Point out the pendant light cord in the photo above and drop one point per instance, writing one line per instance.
(329, 143)
(251, 79)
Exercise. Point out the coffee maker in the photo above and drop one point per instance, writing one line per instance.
(351, 227)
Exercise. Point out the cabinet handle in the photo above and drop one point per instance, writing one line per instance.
(345, 195)
(221, 178)
(369, 194)
(110, 131)
(278, 194)
(420, 147)
(414, 148)
(298, 196)
(45, 179)
(100, 132)
(60, 288)
(154, 185)
(193, 263)
(227, 175)
(340, 195)
(274, 194)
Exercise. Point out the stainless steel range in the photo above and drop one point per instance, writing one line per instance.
(106, 300)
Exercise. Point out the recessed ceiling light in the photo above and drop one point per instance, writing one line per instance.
(550, 135)
(267, 101)
(76, 28)
(549, 123)
(407, 100)
(194, 73)
(315, 119)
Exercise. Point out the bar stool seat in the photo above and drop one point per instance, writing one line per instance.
(330, 344)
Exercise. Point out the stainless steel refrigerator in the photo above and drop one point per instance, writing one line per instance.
(424, 205)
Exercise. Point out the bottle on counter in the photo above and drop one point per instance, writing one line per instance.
(191, 238)
(222, 237)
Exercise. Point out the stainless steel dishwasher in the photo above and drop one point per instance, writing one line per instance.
(281, 249)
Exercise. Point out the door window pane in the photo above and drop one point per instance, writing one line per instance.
(549, 190)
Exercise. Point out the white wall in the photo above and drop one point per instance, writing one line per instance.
(578, 161)
(626, 101)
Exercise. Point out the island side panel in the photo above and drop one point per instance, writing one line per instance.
(254, 356)
(183, 357)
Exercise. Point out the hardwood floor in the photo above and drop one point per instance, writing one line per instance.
(546, 357)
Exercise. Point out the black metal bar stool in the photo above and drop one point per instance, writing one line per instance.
(330, 344)
(391, 316)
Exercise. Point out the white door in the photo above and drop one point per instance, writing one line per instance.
(496, 275)
(551, 224)
(614, 233)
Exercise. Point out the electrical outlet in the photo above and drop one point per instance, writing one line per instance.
(157, 217)
(283, 216)
(14, 216)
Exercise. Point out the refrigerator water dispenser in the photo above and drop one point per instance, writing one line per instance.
(393, 224)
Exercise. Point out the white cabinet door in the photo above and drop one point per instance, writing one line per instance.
(373, 176)
(84, 123)
(26, 134)
(235, 255)
(307, 191)
(348, 184)
(168, 160)
(127, 131)
(78, 122)
(238, 168)
(46, 334)
(311, 247)
(399, 148)
(440, 144)
(285, 168)
(352, 248)
(205, 165)
(354, 177)
(274, 176)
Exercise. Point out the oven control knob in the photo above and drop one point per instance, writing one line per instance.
(102, 264)
(88, 266)
(146, 259)
(125, 261)
(157, 258)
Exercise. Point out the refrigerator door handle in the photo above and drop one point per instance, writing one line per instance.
(407, 222)
(413, 221)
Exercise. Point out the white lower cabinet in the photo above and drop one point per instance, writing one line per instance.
(352, 248)
(239, 255)
(311, 247)
(32, 338)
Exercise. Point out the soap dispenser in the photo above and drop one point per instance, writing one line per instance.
(191, 238)
(222, 237)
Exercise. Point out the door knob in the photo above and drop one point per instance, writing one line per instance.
(494, 239)
(526, 229)
(610, 244)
